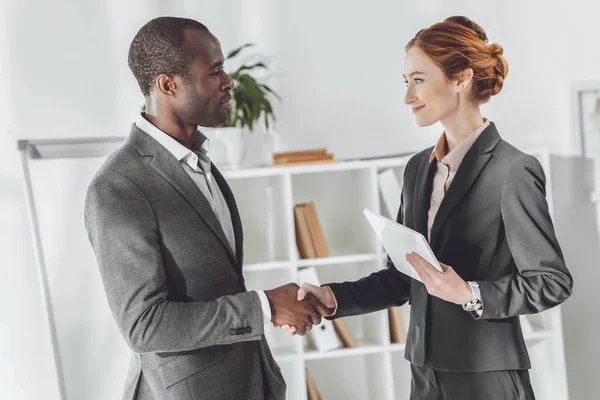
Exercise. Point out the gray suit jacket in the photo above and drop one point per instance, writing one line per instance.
(173, 283)
(493, 227)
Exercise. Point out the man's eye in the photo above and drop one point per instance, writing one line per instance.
(418, 80)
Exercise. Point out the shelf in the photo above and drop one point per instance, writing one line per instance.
(397, 346)
(353, 258)
(284, 353)
(364, 347)
(312, 262)
(315, 168)
(268, 266)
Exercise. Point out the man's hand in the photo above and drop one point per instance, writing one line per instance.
(447, 285)
(286, 309)
(322, 293)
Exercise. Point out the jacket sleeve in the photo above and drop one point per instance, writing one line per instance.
(123, 232)
(380, 290)
(541, 280)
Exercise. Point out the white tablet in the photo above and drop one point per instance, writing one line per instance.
(398, 240)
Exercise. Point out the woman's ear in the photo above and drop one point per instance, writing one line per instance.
(464, 79)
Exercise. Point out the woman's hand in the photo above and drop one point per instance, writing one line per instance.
(447, 285)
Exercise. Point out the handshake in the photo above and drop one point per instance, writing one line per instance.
(296, 309)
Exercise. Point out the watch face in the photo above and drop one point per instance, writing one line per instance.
(472, 306)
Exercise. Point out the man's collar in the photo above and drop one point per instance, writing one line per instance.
(172, 144)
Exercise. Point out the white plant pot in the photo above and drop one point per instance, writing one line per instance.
(227, 146)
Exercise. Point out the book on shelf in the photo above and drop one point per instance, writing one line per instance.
(302, 157)
(311, 152)
(315, 229)
(309, 235)
(294, 158)
(397, 329)
(322, 337)
(347, 338)
(311, 387)
(303, 236)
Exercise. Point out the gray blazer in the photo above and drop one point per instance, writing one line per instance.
(174, 286)
(493, 227)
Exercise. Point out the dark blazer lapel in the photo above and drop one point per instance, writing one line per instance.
(469, 170)
(167, 166)
(422, 195)
(235, 214)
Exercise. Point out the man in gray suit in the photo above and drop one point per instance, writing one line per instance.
(167, 236)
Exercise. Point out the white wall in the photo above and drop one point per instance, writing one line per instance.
(337, 64)
(342, 65)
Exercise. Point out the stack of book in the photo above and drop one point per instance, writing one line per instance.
(309, 235)
(315, 156)
(397, 330)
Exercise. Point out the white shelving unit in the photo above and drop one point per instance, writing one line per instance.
(57, 172)
(376, 369)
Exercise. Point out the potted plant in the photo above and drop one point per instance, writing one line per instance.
(250, 107)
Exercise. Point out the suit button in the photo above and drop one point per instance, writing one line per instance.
(232, 332)
(248, 329)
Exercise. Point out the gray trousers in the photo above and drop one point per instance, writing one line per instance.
(429, 384)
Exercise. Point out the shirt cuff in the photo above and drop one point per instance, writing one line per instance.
(477, 296)
(266, 308)
(334, 300)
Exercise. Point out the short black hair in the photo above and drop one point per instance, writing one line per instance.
(158, 48)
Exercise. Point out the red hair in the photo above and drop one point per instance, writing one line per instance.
(459, 43)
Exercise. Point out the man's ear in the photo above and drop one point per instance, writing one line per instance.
(464, 79)
(166, 84)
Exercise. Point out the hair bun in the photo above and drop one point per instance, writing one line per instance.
(496, 50)
(467, 23)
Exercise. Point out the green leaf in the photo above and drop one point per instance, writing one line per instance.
(235, 52)
(249, 67)
(268, 89)
(250, 99)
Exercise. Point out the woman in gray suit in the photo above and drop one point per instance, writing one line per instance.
(481, 204)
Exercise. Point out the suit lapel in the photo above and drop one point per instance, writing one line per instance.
(469, 170)
(235, 214)
(167, 166)
(422, 195)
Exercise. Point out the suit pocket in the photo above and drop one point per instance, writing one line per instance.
(514, 375)
(187, 364)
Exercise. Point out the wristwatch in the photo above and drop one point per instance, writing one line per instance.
(476, 303)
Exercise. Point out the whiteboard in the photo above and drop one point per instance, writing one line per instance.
(93, 356)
